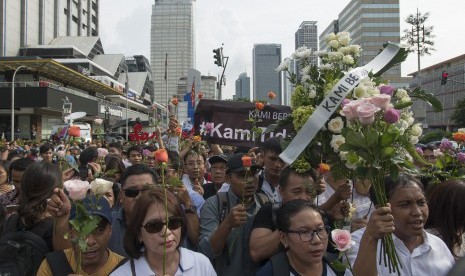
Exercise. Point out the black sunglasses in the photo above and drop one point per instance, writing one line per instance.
(155, 226)
(130, 192)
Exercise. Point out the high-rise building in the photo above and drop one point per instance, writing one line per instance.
(266, 58)
(333, 27)
(39, 22)
(172, 45)
(307, 35)
(243, 86)
(288, 86)
(371, 24)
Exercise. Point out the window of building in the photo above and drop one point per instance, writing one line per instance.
(66, 11)
(75, 19)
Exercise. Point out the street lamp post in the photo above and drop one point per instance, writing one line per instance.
(13, 102)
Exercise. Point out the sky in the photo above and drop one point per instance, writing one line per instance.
(239, 24)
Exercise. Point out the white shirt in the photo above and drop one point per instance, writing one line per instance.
(430, 258)
(271, 192)
(191, 264)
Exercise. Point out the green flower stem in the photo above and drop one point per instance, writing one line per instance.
(348, 262)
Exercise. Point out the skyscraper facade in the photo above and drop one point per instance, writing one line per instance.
(266, 58)
(288, 86)
(172, 45)
(243, 86)
(307, 35)
(371, 24)
(38, 22)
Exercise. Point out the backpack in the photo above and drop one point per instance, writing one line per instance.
(281, 265)
(21, 251)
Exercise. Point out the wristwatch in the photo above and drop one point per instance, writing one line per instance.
(191, 210)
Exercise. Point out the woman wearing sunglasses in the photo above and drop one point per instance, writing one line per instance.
(305, 239)
(149, 236)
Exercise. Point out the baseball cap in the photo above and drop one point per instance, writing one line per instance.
(218, 158)
(235, 163)
(94, 206)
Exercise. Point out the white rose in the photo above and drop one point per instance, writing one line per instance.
(351, 166)
(100, 186)
(330, 37)
(372, 91)
(312, 94)
(416, 130)
(336, 125)
(410, 120)
(401, 93)
(334, 44)
(360, 92)
(405, 99)
(335, 56)
(337, 141)
(343, 155)
(348, 59)
(354, 49)
(344, 50)
(342, 34)
(320, 53)
(461, 130)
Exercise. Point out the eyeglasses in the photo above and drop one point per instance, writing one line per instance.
(155, 226)
(308, 235)
(130, 192)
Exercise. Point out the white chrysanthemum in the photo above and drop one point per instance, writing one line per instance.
(100, 186)
(320, 53)
(301, 52)
(335, 56)
(330, 37)
(334, 44)
(414, 140)
(336, 125)
(337, 141)
(343, 155)
(312, 93)
(344, 50)
(306, 70)
(342, 34)
(355, 49)
(347, 59)
(326, 66)
(373, 91)
(361, 91)
(344, 40)
(416, 129)
(305, 78)
(284, 66)
(400, 93)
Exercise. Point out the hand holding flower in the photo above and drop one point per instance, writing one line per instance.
(59, 205)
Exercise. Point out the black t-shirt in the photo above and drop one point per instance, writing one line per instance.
(264, 218)
(209, 190)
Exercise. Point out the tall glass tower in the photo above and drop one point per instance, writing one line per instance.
(172, 45)
(266, 58)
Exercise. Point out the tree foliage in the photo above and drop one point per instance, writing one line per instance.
(419, 37)
(458, 116)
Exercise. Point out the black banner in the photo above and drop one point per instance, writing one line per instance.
(228, 123)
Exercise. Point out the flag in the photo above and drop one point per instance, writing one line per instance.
(193, 93)
(166, 66)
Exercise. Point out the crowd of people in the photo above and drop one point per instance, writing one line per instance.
(206, 212)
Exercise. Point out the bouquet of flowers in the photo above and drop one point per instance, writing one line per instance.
(371, 134)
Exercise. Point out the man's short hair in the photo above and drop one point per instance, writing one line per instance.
(45, 147)
(271, 145)
(138, 169)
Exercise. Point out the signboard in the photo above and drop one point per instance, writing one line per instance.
(228, 125)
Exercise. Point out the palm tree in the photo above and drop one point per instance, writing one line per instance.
(419, 38)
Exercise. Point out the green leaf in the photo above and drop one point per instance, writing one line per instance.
(400, 106)
(372, 138)
(428, 97)
(388, 139)
(339, 266)
(387, 152)
(270, 128)
(398, 58)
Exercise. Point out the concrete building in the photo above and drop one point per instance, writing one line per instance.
(288, 86)
(172, 45)
(333, 27)
(242, 87)
(307, 35)
(39, 22)
(266, 58)
(371, 24)
(449, 94)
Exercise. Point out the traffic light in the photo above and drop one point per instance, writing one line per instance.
(218, 56)
(444, 77)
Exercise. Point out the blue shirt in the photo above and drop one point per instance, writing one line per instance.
(118, 229)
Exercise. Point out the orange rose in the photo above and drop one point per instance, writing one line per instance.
(200, 95)
(178, 131)
(175, 101)
(197, 138)
(271, 95)
(161, 155)
(246, 161)
(323, 168)
(259, 105)
(459, 136)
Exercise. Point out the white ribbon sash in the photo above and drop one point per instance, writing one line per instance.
(332, 101)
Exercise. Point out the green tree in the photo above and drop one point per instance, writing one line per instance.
(458, 116)
(420, 37)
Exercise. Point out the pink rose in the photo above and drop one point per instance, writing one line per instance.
(77, 189)
(98, 121)
(366, 113)
(350, 109)
(382, 101)
(461, 157)
(102, 152)
(209, 127)
(345, 102)
(419, 150)
(342, 239)
(392, 116)
(387, 90)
